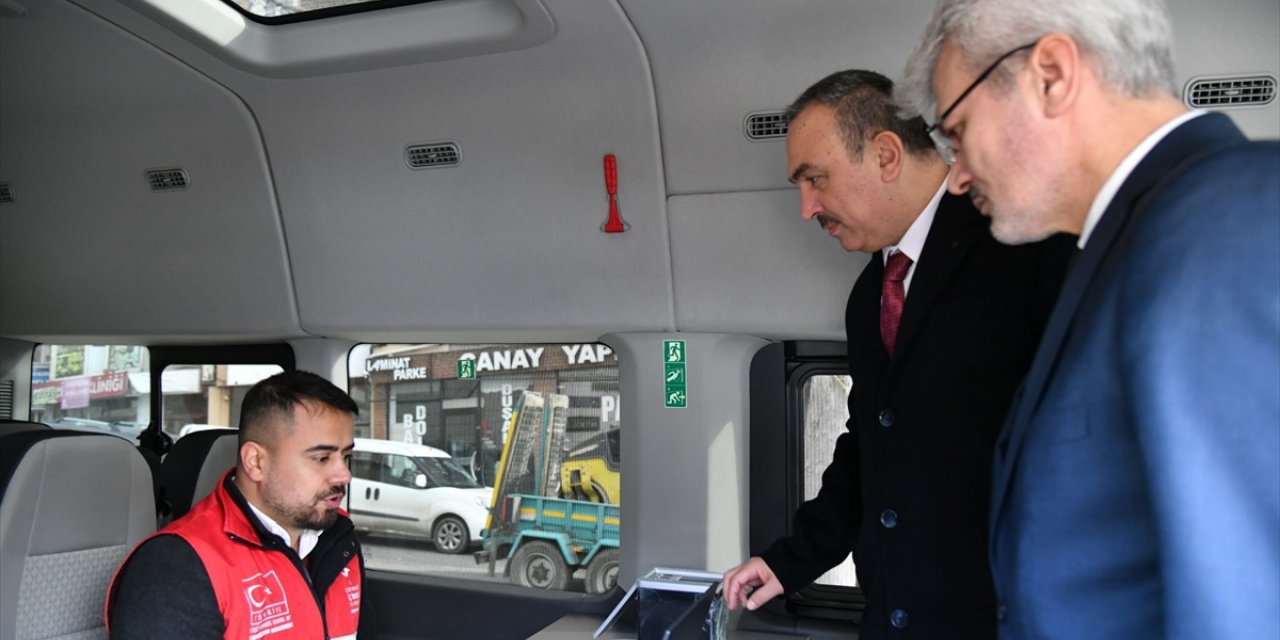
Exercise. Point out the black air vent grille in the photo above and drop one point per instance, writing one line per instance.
(436, 154)
(766, 125)
(167, 179)
(1230, 91)
(6, 192)
(6, 399)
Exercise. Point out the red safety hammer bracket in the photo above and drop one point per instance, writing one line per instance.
(615, 223)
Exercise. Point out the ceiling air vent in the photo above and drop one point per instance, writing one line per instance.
(6, 192)
(167, 179)
(433, 155)
(766, 125)
(1219, 92)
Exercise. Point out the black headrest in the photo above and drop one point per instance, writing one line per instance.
(181, 467)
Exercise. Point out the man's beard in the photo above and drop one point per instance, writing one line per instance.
(1014, 227)
(306, 516)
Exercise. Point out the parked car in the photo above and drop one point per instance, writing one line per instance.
(83, 424)
(416, 491)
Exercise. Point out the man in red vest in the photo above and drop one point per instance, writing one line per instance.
(269, 551)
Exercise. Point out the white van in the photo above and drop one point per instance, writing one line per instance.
(412, 490)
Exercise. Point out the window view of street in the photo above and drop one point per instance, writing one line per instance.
(493, 462)
(107, 389)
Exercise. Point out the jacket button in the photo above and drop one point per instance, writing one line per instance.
(898, 618)
(889, 518)
(886, 418)
(1001, 613)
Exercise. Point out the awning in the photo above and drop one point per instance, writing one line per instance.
(173, 381)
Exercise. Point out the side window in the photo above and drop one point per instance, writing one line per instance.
(826, 410)
(100, 388)
(400, 471)
(207, 396)
(504, 434)
(366, 465)
(799, 409)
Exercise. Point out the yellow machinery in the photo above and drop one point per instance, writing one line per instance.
(591, 471)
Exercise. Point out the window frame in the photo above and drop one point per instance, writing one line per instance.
(358, 6)
(153, 437)
(778, 375)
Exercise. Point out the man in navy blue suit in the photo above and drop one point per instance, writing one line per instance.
(1137, 480)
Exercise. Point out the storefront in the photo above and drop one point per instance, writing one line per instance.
(415, 394)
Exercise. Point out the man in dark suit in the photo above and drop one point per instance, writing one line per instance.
(907, 489)
(1137, 486)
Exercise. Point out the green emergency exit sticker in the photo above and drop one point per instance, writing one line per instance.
(467, 369)
(674, 375)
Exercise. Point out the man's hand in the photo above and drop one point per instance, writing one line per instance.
(752, 573)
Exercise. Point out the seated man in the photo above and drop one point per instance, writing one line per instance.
(269, 550)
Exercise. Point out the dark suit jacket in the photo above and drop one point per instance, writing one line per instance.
(908, 488)
(1137, 492)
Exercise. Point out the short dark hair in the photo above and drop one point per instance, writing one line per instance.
(864, 106)
(274, 399)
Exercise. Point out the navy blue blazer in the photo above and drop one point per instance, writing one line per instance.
(1137, 480)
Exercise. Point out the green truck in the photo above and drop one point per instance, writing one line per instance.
(546, 538)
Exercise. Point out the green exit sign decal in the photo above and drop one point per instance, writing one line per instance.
(674, 374)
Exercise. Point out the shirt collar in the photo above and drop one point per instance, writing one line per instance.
(912, 242)
(306, 541)
(1130, 162)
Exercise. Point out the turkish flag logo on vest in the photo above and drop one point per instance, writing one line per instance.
(268, 607)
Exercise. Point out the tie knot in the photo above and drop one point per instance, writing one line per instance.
(896, 269)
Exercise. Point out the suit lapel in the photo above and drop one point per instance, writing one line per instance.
(1191, 138)
(956, 227)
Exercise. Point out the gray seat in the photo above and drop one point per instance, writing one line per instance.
(72, 505)
(192, 468)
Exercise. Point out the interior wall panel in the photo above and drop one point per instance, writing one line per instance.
(747, 263)
(86, 248)
(715, 61)
(509, 238)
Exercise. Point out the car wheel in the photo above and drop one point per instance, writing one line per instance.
(602, 572)
(539, 564)
(450, 535)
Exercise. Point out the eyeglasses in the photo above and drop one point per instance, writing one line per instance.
(942, 139)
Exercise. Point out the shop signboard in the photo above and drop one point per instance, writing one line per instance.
(75, 393)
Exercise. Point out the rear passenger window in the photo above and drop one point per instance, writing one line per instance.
(472, 461)
(98, 388)
(207, 396)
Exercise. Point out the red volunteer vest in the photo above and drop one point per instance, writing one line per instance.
(260, 591)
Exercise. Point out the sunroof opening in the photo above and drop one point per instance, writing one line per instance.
(284, 11)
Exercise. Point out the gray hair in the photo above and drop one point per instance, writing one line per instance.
(1130, 42)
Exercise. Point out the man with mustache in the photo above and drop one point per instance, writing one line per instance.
(941, 327)
(270, 550)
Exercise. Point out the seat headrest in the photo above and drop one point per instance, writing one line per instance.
(185, 464)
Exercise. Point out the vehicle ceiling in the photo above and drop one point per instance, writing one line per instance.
(302, 218)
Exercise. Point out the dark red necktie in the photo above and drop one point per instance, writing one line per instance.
(892, 295)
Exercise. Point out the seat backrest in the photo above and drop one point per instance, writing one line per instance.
(72, 505)
(192, 468)
(13, 426)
